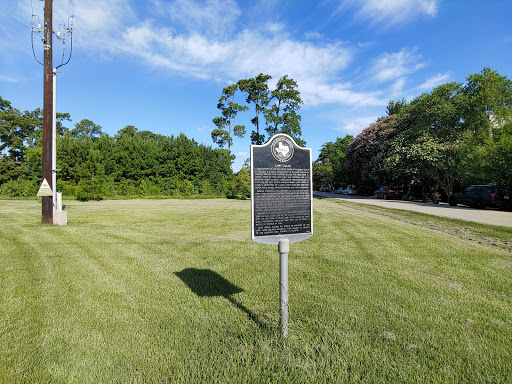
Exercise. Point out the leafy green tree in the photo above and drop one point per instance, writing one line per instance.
(18, 131)
(229, 109)
(89, 190)
(187, 188)
(4, 104)
(19, 188)
(206, 188)
(323, 175)
(92, 167)
(243, 184)
(247, 165)
(488, 94)
(439, 113)
(424, 154)
(395, 107)
(333, 154)
(128, 131)
(257, 93)
(487, 119)
(487, 160)
(420, 161)
(85, 129)
(282, 115)
(33, 164)
(9, 169)
(365, 146)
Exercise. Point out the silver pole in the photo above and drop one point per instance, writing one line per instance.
(54, 144)
(284, 249)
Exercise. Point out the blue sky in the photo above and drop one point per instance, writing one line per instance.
(161, 65)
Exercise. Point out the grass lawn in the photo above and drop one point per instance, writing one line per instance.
(176, 291)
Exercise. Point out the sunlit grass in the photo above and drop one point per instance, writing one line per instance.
(175, 290)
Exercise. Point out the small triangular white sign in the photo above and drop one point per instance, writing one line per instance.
(45, 189)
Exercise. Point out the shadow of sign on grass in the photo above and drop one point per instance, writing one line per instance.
(207, 283)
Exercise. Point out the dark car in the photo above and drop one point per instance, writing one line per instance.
(482, 196)
(504, 197)
(388, 193)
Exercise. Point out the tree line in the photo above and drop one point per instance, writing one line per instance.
(456, 135)
(94, 164)
(442, 141)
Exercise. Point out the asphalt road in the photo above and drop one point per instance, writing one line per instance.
(484, 216)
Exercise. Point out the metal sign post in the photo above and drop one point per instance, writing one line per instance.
(281, 202)
(284, 248)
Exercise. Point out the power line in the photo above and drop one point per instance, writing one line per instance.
(58, 14)
(12, 17)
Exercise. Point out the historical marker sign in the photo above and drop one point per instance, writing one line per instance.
(281, 191)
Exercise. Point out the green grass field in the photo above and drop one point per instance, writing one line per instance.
(175, 291)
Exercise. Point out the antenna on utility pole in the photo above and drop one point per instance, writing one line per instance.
(49, 160)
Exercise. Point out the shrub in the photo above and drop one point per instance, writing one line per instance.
(206, 188)
(187, 188)
(89, 190)
(242, 187)
(19, 188)
(154, 190)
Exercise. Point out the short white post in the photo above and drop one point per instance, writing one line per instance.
(284, 249)
(59, 201)
(60, 217)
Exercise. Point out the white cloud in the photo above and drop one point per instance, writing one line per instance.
(253, 53)
(356, 125)
(313, 66)
(102, 15)
(98, 24)
(8, 79)
(213, 17)
(274, 27)
(435, 80)
(389, 12)
(242, 155)
(391, 66)
(201, 41)
(320, 91)
(203, 128)
(313, 35)
(397, 88)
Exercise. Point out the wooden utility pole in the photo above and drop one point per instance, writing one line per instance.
(47, 209)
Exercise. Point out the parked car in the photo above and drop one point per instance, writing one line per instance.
(482, 196)
(349, 191)
(340, 190)
(388, 193)
(324, 189)
(504, 197)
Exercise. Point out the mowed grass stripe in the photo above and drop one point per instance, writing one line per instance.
(372, 298)
(408, 269)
